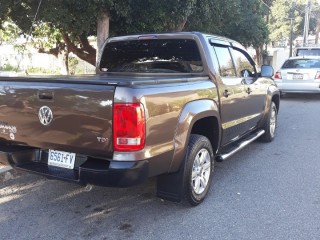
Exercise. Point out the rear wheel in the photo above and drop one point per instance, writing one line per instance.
(270, 124)
(199, 169)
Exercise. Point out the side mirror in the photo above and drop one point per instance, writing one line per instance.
(266, 71)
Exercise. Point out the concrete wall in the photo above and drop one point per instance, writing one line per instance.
(30, 58)
(279, 57)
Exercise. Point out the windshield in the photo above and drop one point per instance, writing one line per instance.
(302, 63)
(154, 55)
(308, 52)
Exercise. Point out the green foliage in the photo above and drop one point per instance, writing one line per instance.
(8, 32)
(73, 63)
(279, 25)
(8, 67)
(250, 29)
(45, 36)
(39, 70)
(149, 16)
(240, 20)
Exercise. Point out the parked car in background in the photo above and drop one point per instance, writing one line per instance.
(299, 74)
(307, 51)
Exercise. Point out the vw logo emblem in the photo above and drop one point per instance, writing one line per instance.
(45, 115)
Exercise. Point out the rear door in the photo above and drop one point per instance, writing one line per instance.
(232, 95)
(254, 86)
(69, 116)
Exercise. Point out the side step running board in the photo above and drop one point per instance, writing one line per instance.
(241, 145)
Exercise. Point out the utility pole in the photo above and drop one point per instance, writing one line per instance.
(268, 18)
(291, 17)
(306, 23)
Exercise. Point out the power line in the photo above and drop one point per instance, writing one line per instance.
(30, 31)
(265, 4)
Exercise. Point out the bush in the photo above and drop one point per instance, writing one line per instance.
(39, 70)
(8, 67)
(73, 63)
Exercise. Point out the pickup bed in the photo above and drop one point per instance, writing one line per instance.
(165, 105)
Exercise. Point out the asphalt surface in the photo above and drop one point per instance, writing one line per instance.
(267, 191)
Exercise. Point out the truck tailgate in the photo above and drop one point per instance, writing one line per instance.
(81, 119)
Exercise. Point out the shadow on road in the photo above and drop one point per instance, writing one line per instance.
(50, 209)
(301, 96)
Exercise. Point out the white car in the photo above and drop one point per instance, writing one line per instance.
(299, 74)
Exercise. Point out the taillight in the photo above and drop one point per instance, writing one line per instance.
(128, 127)
(317, 76)
(277, 75)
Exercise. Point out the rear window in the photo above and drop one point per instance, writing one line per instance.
(302, 63)
(308, 52)
(154, 56)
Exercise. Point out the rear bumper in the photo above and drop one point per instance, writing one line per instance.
(87, 170)
(298, 86)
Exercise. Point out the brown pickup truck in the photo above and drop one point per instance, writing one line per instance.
(165, 105)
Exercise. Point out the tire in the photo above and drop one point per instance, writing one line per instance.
(270, 124)
(198, 169)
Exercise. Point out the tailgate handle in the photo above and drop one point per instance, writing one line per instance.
(45, 95)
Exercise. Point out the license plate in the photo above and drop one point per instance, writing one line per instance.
(61, 159)
(297, 76)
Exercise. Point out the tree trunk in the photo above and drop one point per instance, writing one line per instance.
(103, 23)
(259, 55)
(317, 31)
(64, 62)
(181, 25)
(82, 53)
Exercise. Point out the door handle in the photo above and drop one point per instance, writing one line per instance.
(248, 90)
(226, 93)
(45, 95)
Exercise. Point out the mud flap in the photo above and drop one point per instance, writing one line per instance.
(171, 186)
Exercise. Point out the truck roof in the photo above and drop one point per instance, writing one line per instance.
(175, 35)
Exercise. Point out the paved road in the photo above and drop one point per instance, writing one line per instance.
(267, 191)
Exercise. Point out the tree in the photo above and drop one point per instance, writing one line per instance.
(279, 26)
(315, 20)
(67, 24)
(8, 32)
(251, 30)
(240, 20)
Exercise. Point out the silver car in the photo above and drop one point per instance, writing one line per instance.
(299, 74)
